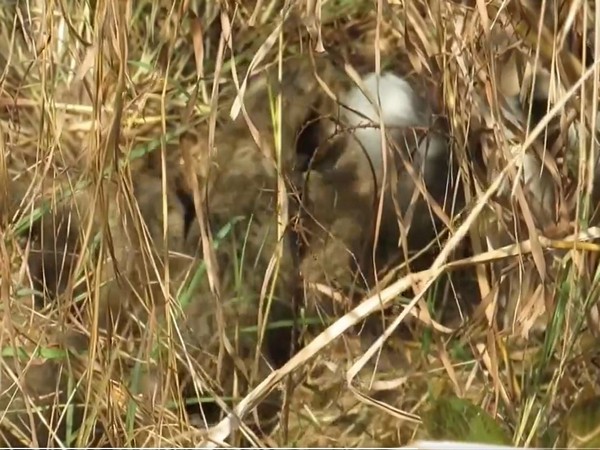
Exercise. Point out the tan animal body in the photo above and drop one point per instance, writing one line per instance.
(237, 191)
(36, 380)
(345, 196)
(238, 187)
(132, 293)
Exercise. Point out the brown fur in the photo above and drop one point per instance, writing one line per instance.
(40, 382)
(237, 187)
(55, 238)
(36, 391)
(342, 199)
(238, 181)
(55, 251)
(134, 291)
(338, 221)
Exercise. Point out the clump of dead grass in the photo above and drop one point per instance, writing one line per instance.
(85, 85)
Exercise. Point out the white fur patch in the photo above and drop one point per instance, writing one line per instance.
(398, 109)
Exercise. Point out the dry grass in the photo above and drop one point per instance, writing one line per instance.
(87, 86)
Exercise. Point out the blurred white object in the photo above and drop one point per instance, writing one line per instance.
(414, 136)
(401, 108)
(447, 445)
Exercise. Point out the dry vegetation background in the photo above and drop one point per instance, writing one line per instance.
(86, 86)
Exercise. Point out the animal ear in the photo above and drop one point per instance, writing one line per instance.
(188, 140)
